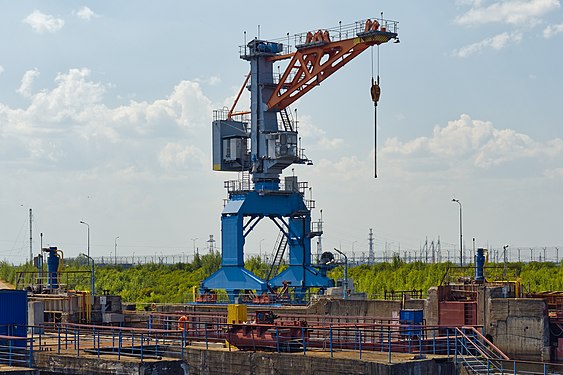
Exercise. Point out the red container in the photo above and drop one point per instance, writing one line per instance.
(457, 314)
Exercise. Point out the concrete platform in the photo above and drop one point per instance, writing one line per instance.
(224, 362)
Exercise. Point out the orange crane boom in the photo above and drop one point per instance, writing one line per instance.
(317, 60)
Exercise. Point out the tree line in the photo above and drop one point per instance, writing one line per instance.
(161, 283)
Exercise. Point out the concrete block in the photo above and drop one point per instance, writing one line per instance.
(520, 327)
(112, 318)
(35, 313)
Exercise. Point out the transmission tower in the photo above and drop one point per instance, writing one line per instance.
(371, 256)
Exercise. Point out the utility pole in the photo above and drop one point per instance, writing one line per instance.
(115, 250)
(460, 233)
(505, 261)
(88, 240)
(194, 240)
(30, 237)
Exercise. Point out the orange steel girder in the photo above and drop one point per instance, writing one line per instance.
(311, 65)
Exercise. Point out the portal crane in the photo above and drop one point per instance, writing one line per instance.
(262, 142)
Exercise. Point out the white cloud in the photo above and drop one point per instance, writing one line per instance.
(72, 96)
(70, 125)
(177, 155)
(1, 69)
(552, 30)
(318, 136)
(474, 3)
(516, 12)
(187, 107)
(211, 81)
(496, 42)
(27, 82)
(556, 173)
(86, 13)
(475, 141)
(42, 23)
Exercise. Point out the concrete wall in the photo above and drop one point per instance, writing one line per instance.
(35, 313)
(237, 363)
(72, 365)
(369, 308)
(520, 327)
(431, 310)
(212, 362)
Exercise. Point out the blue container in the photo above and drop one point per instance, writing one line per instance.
(412, 319)
(13, 316)
(411, 316)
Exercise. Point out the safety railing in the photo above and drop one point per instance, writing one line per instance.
(16, 351)
(46, 280)
(336, 33)
(167, 321)
(476, 352)
(143, 343)
(165, 335)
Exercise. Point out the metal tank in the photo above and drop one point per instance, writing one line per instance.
(480, 264)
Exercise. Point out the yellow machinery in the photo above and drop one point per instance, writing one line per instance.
(236, 314)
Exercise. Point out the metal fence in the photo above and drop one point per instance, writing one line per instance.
(512, 254)
(165, 335)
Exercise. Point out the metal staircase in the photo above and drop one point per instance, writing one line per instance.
(280, 246)
(477, 354)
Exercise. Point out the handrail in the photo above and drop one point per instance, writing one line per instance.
(471, 341)
(498, 351)
(488, 359)
(359, 338)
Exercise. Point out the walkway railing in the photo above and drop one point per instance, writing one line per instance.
(165, 335)
(477, 353)
(16, 351)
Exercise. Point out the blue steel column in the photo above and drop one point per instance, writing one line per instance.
(262, 121)
(298, 251)
(232, 276)
(232, 240)
(300, 273)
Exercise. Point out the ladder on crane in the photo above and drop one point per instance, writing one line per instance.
(286, 122)
(280, 246)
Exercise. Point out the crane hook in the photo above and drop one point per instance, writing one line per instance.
(375, 91)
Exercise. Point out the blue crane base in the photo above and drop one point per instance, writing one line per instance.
(301, 278)
(288, 211)
(235, 279)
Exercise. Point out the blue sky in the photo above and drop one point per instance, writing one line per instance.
(106, 108)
